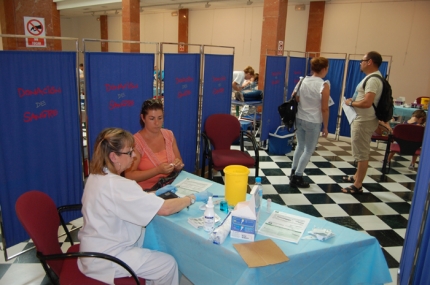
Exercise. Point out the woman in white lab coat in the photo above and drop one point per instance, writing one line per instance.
(116, 210)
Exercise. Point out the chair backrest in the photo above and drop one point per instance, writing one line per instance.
(222, 130)
(38, 215)
(409, 137)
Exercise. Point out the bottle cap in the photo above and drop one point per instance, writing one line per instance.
(210, 202)
(257, 179)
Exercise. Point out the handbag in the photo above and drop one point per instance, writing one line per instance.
(288, 111)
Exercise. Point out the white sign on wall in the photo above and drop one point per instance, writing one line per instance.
(35, 27)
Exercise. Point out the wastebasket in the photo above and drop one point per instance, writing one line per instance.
(236, 182)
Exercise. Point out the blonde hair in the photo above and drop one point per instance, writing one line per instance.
(249, 70)
(318, 64)
(109, 140)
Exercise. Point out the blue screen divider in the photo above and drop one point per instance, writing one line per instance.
(335, 76)
(41, 141)
(296, 69)
(117, 85)
(181, 101)
(353, 77)
(274, 86)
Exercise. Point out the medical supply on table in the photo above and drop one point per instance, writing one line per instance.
(199, 222)
(209, 216)
(269, 205)
(219, 235)
(223, 206)
(257, 191)
(218, 196)
(203, 207)
(320, 234)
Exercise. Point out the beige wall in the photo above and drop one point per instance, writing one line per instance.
(399, 29)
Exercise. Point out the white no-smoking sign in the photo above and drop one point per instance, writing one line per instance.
(35, 27)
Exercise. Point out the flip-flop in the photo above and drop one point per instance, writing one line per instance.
(348, 179)
(353, 190)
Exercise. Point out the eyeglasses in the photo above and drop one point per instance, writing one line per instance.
(364, 60)
(129, 153)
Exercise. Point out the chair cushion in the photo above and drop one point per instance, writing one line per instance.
(71, 275)
(223, 158)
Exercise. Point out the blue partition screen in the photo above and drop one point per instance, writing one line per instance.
(117, 85)
(181, 97)
(297, 68)
(40, 141)
(353, 77)
(335, 76)
(274, 86)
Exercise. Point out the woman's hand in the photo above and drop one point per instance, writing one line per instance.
(324, 133)
(178, 164)
(165, 168)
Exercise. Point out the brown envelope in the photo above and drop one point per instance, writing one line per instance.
(260, 253)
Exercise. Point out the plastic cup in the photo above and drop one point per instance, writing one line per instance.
(236, 182)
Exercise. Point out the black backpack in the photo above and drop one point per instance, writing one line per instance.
(385, 108)
(288, 111)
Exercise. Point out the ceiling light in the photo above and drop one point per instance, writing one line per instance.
(174, 14)
(207, 5)
(116, 12)
(300, 7)
(249, 2)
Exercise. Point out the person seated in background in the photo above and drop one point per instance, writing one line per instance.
(157, 154)
(419, 117)
(251, 83)
(239, 78)
(81, 71)
(116, 211)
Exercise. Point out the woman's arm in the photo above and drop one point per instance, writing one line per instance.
(171, 206)
(324, 108)
(140, 175)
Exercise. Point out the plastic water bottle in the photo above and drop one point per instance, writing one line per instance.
(209, 216)
(259, 197)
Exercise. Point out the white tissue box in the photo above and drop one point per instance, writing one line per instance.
(244, 221)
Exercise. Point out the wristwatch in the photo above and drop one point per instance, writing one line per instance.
(350, 103)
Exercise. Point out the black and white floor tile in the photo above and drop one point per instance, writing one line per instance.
(381, 211)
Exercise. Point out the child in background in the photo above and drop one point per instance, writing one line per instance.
(418, 118)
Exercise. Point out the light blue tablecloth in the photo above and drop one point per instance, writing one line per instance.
(350, 257)
(405, 113)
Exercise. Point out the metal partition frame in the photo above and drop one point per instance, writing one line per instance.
(2, 230)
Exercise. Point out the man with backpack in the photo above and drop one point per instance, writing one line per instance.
(366, 96)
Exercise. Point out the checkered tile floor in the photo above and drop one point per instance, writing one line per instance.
(381, 211)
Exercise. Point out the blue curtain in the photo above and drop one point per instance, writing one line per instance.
(335, 76)
(41, 141)
(353, 77)
(274, 86)
(297, 68)
(422, 188)
(217, 87)
(181, 98)
(117, 85)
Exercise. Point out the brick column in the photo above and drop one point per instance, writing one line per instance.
(130, 25)
(315, 27)
(104, 32)
(12, 13)
(274, 22)
(183, 30)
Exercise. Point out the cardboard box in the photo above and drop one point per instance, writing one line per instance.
(244, 221)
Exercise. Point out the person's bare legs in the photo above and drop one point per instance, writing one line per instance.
(359, 175)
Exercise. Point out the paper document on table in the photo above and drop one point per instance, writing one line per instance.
(349, 112)
(190, 186)
(284, 226)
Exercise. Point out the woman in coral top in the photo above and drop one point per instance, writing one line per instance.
(157, 154)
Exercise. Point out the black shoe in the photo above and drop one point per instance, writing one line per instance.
(297, 181)
(293, 171)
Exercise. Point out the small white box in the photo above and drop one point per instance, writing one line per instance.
(244, 221)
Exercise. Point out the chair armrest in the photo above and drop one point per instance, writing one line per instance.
(61, 209)
(206, 144)
(90, 254)
(254, 145)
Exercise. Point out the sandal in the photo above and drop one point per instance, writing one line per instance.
(353, 190)
(348, 179)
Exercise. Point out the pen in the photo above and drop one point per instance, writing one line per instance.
(218, 196)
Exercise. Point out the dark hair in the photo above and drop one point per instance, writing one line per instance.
(375, 57)
(151, 104)
(318, 64)
(109, 140)
(419, 114)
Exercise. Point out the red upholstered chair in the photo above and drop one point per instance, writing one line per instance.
(220, 132)
(39, 216)
(419, 99)
(409, 139)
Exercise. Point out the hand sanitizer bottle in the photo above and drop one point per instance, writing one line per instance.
(258, 198)
(209, 216)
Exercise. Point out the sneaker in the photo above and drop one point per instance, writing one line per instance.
(411, 167)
